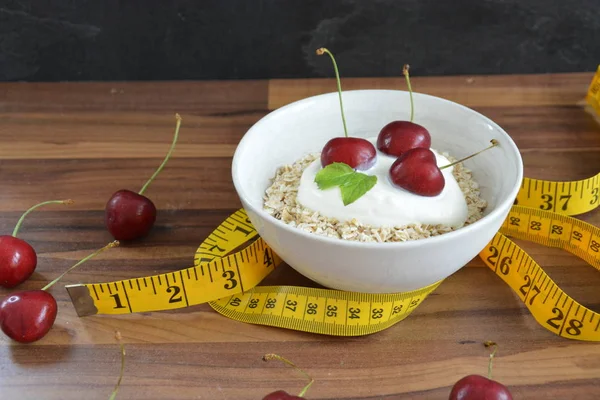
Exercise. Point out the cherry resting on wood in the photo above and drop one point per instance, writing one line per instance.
(398, 137)
(18, 259)
(357, 153)
(282, 394)
(27, 316)
(130, 215)
(477, 387)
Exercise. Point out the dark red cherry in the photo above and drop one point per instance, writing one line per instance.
(27, 316)
(477, 387)
(417, 171)
(358, 153)
(398, 137)
(281, 395)
(129, 215)
(17, 261)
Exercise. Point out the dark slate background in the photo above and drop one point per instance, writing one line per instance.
(73, 40)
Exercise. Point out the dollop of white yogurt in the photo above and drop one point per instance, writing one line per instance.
(386, 205)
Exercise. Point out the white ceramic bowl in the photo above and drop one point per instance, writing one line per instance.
(292, 131)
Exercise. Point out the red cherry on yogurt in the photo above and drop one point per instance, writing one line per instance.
(18, 259)
(397, 137)
(416, 171)
(357, 153)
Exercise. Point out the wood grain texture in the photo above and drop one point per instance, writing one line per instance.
(84, 141)
(472, 91)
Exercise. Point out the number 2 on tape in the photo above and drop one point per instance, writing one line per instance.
(213, 277)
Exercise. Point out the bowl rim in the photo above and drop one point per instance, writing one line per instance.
(500, 208)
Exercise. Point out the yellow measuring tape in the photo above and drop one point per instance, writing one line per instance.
(226, 277)
(233, 260)
(593, 95)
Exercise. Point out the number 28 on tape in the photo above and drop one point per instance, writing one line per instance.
(548, 303)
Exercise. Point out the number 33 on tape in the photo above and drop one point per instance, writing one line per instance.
(227, 271)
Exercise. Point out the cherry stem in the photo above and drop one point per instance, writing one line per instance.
(494, 143)
(488, 344)
(20, 222)
(412, 109)
(114, 393)
(320, 52)
(175, 137)
(271, 356)
(112, 244)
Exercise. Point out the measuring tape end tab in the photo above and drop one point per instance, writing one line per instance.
(592, 98)
(82, 300)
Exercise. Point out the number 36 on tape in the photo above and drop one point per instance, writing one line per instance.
(227, 271)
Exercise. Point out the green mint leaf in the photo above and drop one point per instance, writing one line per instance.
(353, 185)
(356, 186)
(332, 175)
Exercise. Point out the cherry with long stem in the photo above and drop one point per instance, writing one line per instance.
(417, 172)
(129, 215)
(18, 259)
(398, 137)
(357, 153)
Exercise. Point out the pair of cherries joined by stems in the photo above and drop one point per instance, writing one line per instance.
(415, 168)
(27, 316)
(470, 387)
